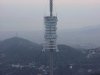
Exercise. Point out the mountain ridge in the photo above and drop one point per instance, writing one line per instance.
(20, 50)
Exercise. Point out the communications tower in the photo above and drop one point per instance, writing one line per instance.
(50, 35)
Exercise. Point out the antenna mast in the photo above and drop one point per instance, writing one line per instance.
(51, 7)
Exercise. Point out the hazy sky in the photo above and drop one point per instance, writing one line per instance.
(28, 14)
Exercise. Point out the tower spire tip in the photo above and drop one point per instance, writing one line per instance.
(51, 7)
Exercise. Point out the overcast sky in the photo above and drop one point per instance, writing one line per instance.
(16, 15)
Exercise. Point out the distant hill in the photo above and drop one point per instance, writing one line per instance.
(19, 50)
(16, 41)
(87, 37)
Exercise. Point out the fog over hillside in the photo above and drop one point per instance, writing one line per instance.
(87, 37)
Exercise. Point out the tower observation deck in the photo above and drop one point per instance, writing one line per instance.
(50, 35)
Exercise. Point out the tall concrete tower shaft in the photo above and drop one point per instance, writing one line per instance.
(50, 35)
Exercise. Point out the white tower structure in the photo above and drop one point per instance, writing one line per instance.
(50, 30)
(50, 35)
